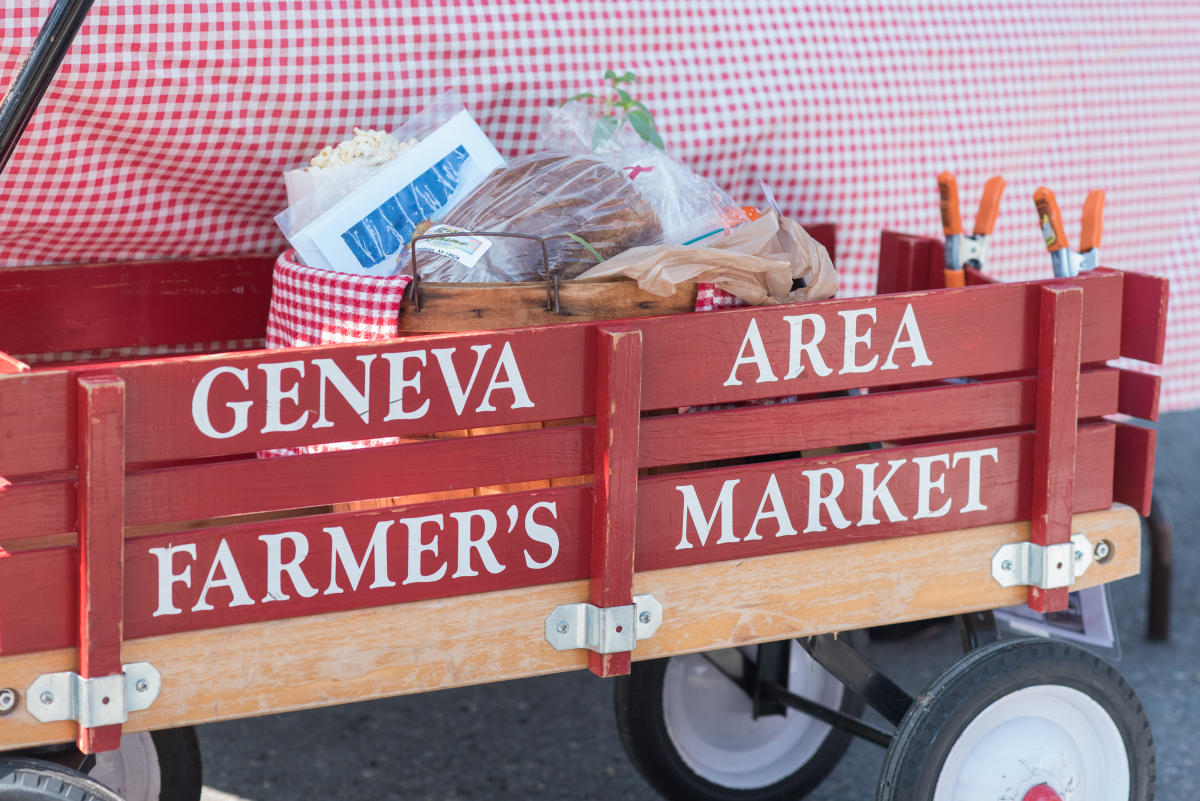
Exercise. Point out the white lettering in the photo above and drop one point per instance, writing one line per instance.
(758, 357)
(458, 395)
(276, 395)
(398, 383)
(466, 544)
(276, 567)
(167, 578)
(908, 323)
(542, 533)
(854, 339)
(513, 382)
(816, 500)
(778, 512)
(872, 493)
(703, 525)
(926, 485)
(417, 549)
(231, 578)
(341, 552)
(798, 347)
(241, 409)
(331, 374)
(974, 460)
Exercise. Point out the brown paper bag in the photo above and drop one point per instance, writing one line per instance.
(757, 262)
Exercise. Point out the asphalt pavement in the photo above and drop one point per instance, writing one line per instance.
(555, 738)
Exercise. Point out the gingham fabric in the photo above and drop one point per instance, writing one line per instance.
(170, 123)
(321, 307)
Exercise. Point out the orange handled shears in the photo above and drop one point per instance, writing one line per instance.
(967, 250)
(1066, 261)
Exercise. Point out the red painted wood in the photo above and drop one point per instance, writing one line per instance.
(1133, 479)
(1054, 450)
(977, 278)
(10, 365)
(826, 234)
(905, 263)
(1138, 394)
(101, 403)
(49, 575)
(698, 359)
(1006, 487)
(248, 485)
(78, 307)
(614, 507)
(1144, 317)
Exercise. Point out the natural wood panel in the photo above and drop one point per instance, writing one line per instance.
(265, 668)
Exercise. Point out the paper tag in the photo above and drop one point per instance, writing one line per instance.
(466, 250)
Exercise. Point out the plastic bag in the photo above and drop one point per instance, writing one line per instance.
(678, 195)
(583, 208)
(356, 217)
(760, 262)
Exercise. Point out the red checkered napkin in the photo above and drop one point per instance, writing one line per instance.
(322, 307)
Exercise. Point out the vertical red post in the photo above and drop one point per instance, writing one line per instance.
(618, 416)
(1053, 499)
(101, 437)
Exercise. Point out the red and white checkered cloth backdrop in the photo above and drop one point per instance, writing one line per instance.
(170, 123)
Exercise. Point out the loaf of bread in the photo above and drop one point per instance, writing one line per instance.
(566, 199)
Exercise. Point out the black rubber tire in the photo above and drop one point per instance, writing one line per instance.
(941, 714)
(642, 725)
(35, 780)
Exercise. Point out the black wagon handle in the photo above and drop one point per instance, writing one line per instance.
(37, 70)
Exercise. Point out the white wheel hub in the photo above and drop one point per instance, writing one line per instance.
(710, 721)
(132, 770)
(1047, 734)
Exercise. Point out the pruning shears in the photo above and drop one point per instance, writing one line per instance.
(1068, 262)
(967, 250)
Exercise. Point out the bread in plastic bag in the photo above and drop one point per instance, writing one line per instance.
(580, 205)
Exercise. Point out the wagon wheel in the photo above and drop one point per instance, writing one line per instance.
(152, 766)
(1023, 720)
(35, 780)
(691, 732)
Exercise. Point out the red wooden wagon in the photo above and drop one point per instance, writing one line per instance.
(947, 452)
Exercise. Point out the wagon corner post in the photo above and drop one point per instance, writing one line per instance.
(101, 426)
(614, 511)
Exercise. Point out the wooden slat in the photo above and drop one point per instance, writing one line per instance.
(1144, 317)
(698, 359)
(246, 486)
(1055, 441)
(45, 508)
(268, 668)
(541, 536)
(1133, 477)
(80, 307)
(101, 552)
(614, 498)
(1138, 394)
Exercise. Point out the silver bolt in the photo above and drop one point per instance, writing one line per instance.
(47, 698)
(1079, 556)
(644, 617)
(563, 628)
(142, 685)
(1006, 565)
(1102, 550)
(8, 700)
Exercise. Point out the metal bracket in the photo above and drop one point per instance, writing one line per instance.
(94, 702)
(1044, 566)
(605, 630)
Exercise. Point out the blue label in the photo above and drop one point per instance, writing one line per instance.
(386, 229)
